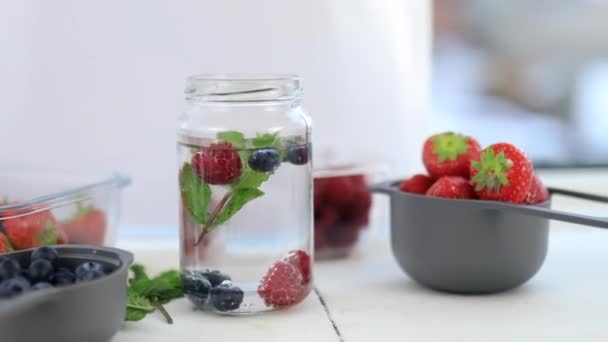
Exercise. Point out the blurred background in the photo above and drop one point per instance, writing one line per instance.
(96, 87)
(531, 72)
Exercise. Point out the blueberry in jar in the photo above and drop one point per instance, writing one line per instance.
(264, 160)
(226, 297)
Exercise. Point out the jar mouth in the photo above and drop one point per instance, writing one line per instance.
(243, 87)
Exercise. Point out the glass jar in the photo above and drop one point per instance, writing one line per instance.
(245, 179)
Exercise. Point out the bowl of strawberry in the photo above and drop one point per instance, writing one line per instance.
(478, 220)
(342, 206)
(80, 215)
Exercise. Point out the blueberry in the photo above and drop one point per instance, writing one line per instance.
(63, 277)
(226, 297)
(197, 288)
(46, 253)
(88, 271)
(40, 270)
(41, 286)
(297, 154)
(9, 268)
(14, 287)
(215, 277)
(265, 160)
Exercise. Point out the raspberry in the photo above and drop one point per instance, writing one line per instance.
(282, 286)
(218, 164)
(301, 260)
(417, 184)
(339, 190)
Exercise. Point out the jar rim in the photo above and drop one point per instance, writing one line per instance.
(243, 87)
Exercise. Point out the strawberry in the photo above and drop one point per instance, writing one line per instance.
(417, 184)
(301, 260)
(537, 193)
(282, 286)
(451, 187)
(87, 226)
(218, 164)
(30, 230)
(503, 173)
(5, 244)
(449, 154)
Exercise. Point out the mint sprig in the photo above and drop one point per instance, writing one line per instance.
(196, 194)
(146, 295)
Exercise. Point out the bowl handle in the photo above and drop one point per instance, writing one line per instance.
(386, 187)
(547, 213)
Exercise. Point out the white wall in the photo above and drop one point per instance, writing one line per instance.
(98, 84)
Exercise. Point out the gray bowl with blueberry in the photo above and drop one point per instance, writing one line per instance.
(63, 293)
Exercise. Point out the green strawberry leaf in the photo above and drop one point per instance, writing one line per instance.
(235, 138)
(239, 198)
(196, 194)
(49, 235)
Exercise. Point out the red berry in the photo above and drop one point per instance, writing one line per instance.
(449, 154)
(503, 173)
(282, 286)
(538, 193)
(301, 260)
(62, 237)
(218, 164)
(418, 184)
(87, 227)
(5, 245)
(343, 235)
(451, 187)
(325, 218)
(339, 190)
(31, 230)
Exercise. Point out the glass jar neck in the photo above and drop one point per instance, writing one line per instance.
(243, 89)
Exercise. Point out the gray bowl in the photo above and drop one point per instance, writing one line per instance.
(471, 246)
(92, 311)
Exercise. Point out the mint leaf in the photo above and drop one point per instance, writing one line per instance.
(138, 306)
(239, 198)
(139, 273)
(265, 140)
(251, 179)
(235, 138)
(196, 194)
(145, 294)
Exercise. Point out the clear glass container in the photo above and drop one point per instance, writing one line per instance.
(245, 179)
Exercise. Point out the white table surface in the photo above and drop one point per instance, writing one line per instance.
(368, 298)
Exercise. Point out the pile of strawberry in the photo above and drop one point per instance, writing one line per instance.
(341, 209)
(458, 168)
(35, 229)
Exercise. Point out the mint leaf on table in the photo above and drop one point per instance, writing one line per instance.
(138, 306)
(196, 194)
(237, 200)
(145, 294)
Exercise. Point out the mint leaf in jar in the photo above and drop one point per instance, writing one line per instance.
(196, 194)
(237, 200)
(235, 138)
